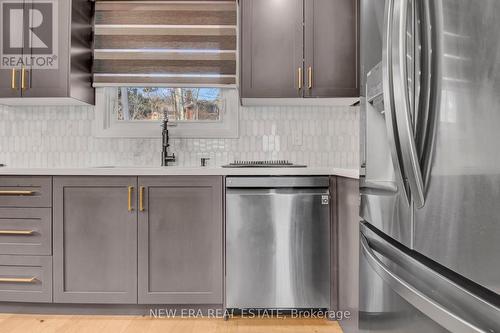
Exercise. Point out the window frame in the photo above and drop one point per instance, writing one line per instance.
(107, 126)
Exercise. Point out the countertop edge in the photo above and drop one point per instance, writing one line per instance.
(179, 171)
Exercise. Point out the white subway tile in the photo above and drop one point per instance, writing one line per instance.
(62, 137)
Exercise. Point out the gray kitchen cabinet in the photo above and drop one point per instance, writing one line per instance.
(347, 249)
(53, 58)
(25, 191)
(26, 231)
(12, 48)
(8, 83)
(271, 48)
(95, 240)
(331, 48)
(180, 240)
(299, 48)
(25, 278)
(334, 265)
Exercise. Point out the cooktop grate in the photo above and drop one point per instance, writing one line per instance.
(263, 164)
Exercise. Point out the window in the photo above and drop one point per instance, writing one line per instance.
(178, 104)
(193, 112)
(173, 58)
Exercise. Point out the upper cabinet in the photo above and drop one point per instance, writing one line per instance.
(299, 48)
(271, 48)
(331, 48)
(45, 51)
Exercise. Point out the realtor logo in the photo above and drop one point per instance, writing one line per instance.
(28, 34)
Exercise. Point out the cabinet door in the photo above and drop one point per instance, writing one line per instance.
(181, 240)
(331, 48)
(346, 248)
(47, 71)
(9, 83)
(271, 48)
(12, 41)
(95, 240)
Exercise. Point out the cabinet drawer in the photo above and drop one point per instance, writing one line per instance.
(25, 279)
(26, 231)
(25, 191)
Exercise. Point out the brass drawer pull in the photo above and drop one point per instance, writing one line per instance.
(141, 198)
(129, 202)
(18, 280)
(17, 232)
(17, 192)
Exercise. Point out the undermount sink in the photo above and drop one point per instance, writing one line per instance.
(125, 167)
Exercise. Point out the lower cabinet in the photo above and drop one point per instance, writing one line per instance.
(95, 240)
(147, 240)
(25, 278)
(180, 240)
(348, 250)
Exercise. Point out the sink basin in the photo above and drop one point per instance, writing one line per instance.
(125, 167)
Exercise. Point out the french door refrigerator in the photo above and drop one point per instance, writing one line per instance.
(430, 194)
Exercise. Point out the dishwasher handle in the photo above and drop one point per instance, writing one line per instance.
(278, 182)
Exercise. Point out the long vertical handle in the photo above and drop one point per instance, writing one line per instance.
(402, 101)
(23, 78)
(13, 79)
(310, 77)
(387, 75)
(425, 76)
(300, 78)
(129, 198)
(141, 198)
(430, 92)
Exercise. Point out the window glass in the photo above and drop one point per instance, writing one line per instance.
(180, 104)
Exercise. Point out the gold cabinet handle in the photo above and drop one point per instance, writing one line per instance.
(13, 83)
(17, 232)
(17, 192)
(300, 78)
(141, 198)
(129, 202)
(23, 78)
(310, 77)
(18, 280)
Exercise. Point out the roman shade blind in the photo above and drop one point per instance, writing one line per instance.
(165, 43)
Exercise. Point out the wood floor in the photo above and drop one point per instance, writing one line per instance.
(130, 324)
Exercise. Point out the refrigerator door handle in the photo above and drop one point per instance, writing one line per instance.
(484, 312)
(388, 89)
(430, 92)
(424, 96)
(402, 110)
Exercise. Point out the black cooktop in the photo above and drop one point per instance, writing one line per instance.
(263, 164)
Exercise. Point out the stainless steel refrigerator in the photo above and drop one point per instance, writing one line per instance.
(430, 194)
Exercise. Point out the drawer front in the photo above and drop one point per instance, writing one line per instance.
(25, 191)
(26, 231)
(26, 279)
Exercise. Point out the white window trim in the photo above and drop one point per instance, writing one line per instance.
(107, 126)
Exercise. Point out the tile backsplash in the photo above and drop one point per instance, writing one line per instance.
(59, 137)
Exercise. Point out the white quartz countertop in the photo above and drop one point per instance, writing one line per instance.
(178, 171)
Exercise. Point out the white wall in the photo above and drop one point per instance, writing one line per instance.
(62, 137)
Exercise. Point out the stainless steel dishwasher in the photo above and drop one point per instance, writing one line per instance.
(277, 242)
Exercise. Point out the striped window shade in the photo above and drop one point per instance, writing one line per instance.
(165, 43)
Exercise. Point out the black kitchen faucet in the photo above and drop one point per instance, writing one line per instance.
(165, 157)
